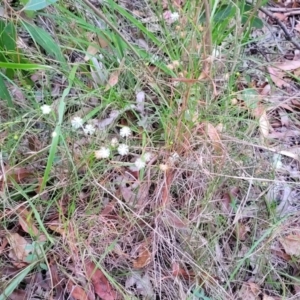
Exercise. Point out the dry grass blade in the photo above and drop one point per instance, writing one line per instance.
(57, 283)
(168, 177)
(173, 220)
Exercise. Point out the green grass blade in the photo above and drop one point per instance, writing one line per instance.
(8, 65)
(134, 21)
(34, 210)
(252, 249)
(55, 140)
(4, 93)
(15, 282)
(44, 39)
(34, 5)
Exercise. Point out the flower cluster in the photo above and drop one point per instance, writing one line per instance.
(123, 149)
(77, 123)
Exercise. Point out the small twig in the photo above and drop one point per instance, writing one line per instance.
(288, 37)
(283, 9)
(292, 13)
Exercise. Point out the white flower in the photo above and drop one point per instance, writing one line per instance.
(125, 131)
(114, 142)
(46, 109)
(102, 153)
(140, 163)
(174, 17)
(54, 134)
(163, 167)
(123, 149)
(170, 17)
(77, 122)
(140, 97)
(154, 58)
(89, 129)
(147, 156)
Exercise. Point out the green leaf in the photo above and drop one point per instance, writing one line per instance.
(223, 13)
(17, 66)
(7, 36)
(250, 97)
(43, 266)
(257, 23)
(44, 39)
(4, 93)
(38, 4)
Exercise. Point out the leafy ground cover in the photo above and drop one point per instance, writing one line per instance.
(149, 150)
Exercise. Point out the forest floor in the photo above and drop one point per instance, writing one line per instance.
(149, 150)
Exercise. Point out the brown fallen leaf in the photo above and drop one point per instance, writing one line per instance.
(109, 209)
(266, 90)
(15, 174)
(288, 65)
(277, 77)
(226, 203)
(280, 16)
(91, 51)
(214, 136)
(113, 80)
(291, 244)
(114, 77)
(143, 259)
(56, 227)
(241, 231)
(27, 222)
(277, 74)
(249, 291)
(19, 246)
(76, 291)
(101, 285)
(264, 125)
(102, 41)
(281, 254)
